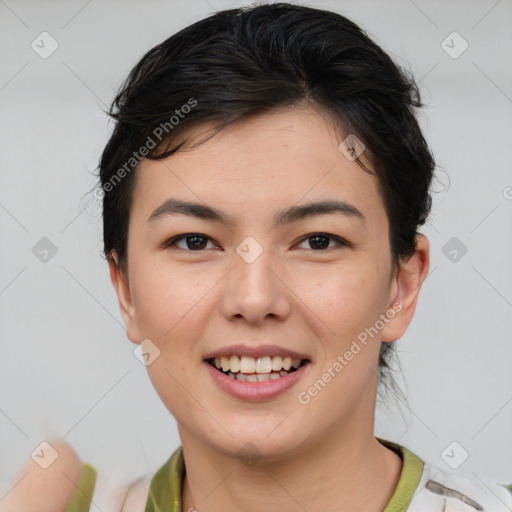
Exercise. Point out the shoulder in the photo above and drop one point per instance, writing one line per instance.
(441, 491)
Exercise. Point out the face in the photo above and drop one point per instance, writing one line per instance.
(305, 285)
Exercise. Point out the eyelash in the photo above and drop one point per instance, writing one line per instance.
(174, 240)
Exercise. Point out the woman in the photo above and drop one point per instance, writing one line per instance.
(263, 188)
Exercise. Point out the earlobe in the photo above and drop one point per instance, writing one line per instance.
(121, 285)
(405, 290)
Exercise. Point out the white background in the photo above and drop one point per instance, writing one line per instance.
(66, 367)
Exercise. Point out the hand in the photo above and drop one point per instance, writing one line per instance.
(44, 490)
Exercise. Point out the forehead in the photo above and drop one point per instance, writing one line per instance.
(259, 165)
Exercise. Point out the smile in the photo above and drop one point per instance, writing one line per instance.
(250, 369)
(262, 381)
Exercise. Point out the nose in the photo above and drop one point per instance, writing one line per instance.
(255, 289)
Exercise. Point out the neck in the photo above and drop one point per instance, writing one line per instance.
(352, 470)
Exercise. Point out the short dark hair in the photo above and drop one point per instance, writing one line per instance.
(243, 62)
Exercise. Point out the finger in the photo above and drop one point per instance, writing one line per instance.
(40, 487)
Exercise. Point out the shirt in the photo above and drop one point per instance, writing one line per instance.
(422, 487)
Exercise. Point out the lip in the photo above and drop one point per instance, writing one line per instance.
(259, 351)
(256, 391)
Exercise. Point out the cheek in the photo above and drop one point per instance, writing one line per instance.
(168, 306)
(345, 298)
(164, 299)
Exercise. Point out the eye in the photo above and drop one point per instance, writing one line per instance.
(193, 241)
(319, 241)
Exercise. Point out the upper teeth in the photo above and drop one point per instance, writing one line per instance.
(247, 364)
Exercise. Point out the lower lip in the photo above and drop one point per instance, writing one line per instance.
(256, 390)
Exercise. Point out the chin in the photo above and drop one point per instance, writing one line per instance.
(256, 446)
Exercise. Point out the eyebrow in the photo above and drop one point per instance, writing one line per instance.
(287, 216)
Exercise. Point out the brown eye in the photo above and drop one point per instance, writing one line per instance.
(193, 241)
(320, 241)
(197, 242)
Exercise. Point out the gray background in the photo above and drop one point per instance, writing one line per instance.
(66, 367)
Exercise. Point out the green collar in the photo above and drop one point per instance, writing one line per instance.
(166, 485)
(412, 468)
(82, 497)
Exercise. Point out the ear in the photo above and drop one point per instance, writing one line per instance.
(121, 284)
(405, 288)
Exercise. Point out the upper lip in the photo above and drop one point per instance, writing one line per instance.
(259, 351)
